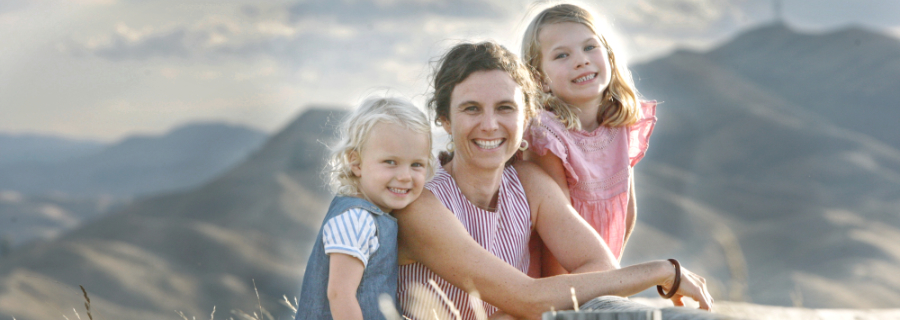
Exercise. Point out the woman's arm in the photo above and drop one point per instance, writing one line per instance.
(344, 274)
(548, 265)
(430, 234)
(576, 246)
(553, 166)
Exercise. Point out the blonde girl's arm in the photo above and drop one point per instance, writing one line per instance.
(344, 274)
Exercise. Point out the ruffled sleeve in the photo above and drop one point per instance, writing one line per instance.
(639, 133)
(545, 134)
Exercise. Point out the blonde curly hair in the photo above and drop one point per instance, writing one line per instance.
(355, 130)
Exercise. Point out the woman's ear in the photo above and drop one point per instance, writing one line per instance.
(355, 163)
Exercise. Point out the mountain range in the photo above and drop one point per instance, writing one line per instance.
(778, 199)
(23, 148)
(774, 201)
(248, 229)
(138, 165)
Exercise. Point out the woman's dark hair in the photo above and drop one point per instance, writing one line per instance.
(466, 58)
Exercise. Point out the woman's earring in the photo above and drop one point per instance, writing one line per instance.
(524, 145)
(450, 145)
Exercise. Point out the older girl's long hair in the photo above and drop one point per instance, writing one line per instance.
(620, 105)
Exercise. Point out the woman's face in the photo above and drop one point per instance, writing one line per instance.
(487, 118)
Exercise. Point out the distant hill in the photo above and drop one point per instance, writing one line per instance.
(140, 165)
(189, 251)
(25, 218)
(777, 199)
(849, 76)
(34, 148)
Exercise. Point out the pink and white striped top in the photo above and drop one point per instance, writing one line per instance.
(505, 233)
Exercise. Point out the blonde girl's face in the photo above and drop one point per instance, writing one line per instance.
(392, 166)
(487, 119)
(574, 62)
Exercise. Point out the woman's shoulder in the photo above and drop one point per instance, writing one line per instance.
(530, 174)
(426, 201)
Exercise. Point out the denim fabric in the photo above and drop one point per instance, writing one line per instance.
(379, 277)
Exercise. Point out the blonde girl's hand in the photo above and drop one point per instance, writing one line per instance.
(692, 286)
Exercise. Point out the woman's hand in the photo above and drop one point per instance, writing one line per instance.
(500, 315)
(692, 286)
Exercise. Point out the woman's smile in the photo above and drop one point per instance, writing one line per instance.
(488, 144)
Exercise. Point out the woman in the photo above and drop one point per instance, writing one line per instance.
(483, 98)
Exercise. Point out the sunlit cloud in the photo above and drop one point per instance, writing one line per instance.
(683, 14)
(282, 55)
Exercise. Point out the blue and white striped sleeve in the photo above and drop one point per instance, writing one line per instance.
(351, 233)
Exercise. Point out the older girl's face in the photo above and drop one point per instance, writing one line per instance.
(487, 118)
(575, 63)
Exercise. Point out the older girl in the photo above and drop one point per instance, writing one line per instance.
(593, 128)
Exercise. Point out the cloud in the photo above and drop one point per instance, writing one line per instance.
(682, 14)
(301, 31)
(129, 45)
(364, 12)
(8, 6)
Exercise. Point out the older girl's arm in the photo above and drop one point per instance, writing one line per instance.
(631, 218)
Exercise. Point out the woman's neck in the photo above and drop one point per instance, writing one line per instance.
(479, 185)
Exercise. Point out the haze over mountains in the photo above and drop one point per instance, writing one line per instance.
(773, 200)
(138, 165)
(22, 148)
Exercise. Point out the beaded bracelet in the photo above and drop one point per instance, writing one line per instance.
(674, 285)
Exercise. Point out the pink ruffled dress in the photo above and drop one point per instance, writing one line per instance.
(597, 167)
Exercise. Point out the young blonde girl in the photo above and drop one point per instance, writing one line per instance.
(593, 129)
(381, 164)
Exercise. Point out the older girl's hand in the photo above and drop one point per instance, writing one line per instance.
(692, 286)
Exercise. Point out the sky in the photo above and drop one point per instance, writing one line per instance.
(106, 69)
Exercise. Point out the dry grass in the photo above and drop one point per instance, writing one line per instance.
(87, 303)
(386, 306)
(439, 312)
